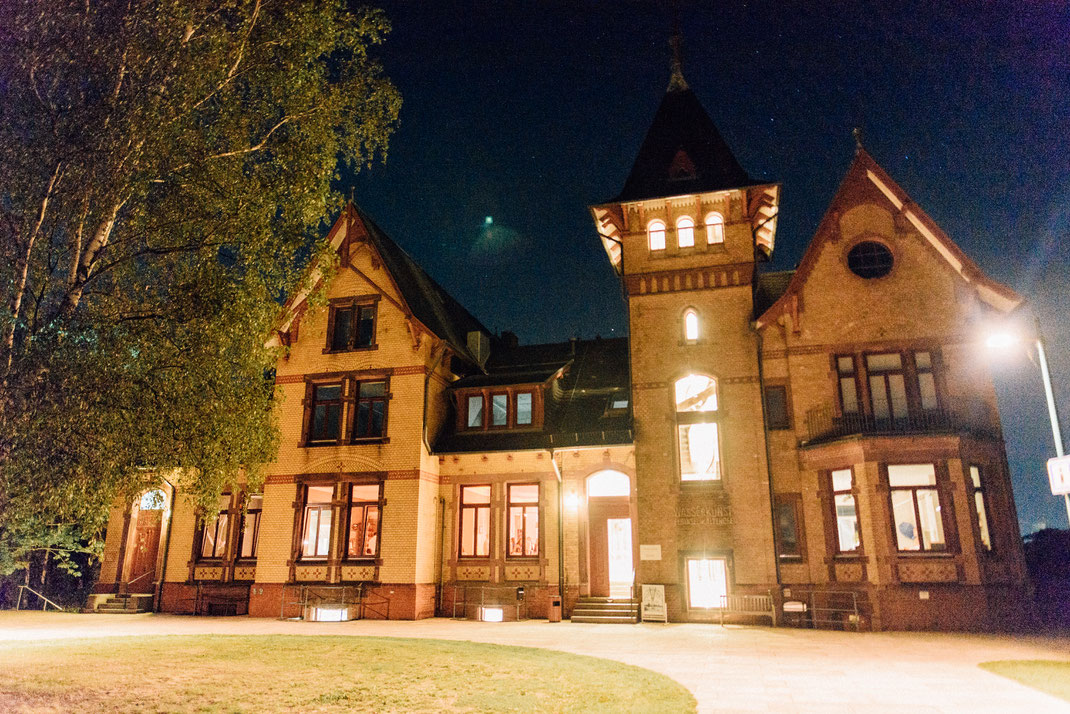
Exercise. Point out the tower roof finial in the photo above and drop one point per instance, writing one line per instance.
(677, 83)
(857, 134)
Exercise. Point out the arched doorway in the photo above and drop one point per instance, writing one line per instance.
(611, 569)
(145, 542)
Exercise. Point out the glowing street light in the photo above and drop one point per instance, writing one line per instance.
(1003, 341)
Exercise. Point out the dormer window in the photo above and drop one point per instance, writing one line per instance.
(507, 409)
(714, 228)
(691, 326)
(475, 412)
(655, 231)
(685, 232)
(524, 411)
(351, 324)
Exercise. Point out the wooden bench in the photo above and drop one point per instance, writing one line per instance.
(751, 605)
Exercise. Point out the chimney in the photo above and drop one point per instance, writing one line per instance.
(509, 340)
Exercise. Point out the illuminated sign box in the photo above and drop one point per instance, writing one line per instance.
(491, 614)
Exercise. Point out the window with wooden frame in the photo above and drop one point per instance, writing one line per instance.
(507, 409)
(474, 411)
(916, 513)
(887, 386)
(316, 522)
(369, 409)
(787, 512)
(847, 383)
(979, 509)
(475, 522)
(363, 530)
(777, 411)
(499, 410)
(523, 520)
(524, 408)
(685, 232)
(697, 428)
(351, 324)
(845, 511)
(324, 416)
(215, 533)
(925, 378)
(250, 528)
(714, 228)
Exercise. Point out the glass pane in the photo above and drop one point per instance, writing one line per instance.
(906, 528)
(378, 409)
(927, 389)
(879, 395)
(516, 531)
(923, 360)
(475, 411)
(320, 494)
(373, 389)
(475, 495)
(690, 325)
(787, 529)
(685, 232)
(343, 326)
(841, 480)
(499, 409)
(323, 535)
(523, 408)
(249, 533)
(524, 493)
(911, 475)
(975, 476)
(368, 492)
(308, 540)
(982, 520)
(355, 544)
(932, 525)
(366, 327)
(333, 421)
(468, 531)
(531, 530)
(699, 459)
(897, 387)
(255, 503)
(889, 361)
(847, 532)
(328, 392)
(845, 365)
(483, 532)
(371, 531)
(850, 395)
(221, 535)
(656, 234)
(208, 540)
(696, 393)
(604, 484)
(707, 581)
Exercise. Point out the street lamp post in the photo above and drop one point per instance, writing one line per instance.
(1004, 339)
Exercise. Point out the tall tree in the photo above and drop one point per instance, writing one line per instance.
(162, 164)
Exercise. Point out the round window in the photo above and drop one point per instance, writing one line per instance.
(870, 259)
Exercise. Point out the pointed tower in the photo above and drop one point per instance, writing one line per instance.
(684, 235)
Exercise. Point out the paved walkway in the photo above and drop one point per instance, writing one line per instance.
(733, 669)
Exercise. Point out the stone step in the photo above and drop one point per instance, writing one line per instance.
(625, 612)
(604, 619)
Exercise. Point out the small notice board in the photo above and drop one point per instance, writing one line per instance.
(1059, 475)
(653, 605)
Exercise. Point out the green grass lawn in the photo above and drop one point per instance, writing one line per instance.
(321, 674)
(1046, 675)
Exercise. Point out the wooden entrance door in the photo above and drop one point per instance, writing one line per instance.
(599, 512)
(146, 545)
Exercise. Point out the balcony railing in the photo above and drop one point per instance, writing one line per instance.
(824, 424)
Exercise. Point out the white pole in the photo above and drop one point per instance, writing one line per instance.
(1056, 432)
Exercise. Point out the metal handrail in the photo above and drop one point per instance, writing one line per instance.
(47, 602)
(128, 583)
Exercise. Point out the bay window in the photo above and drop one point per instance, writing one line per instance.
(845, 511)
(916, 512)
(979, 507)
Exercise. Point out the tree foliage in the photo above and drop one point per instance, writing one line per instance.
(162, 164)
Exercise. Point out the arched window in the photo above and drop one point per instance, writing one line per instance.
(608, 483)
(685, 232)
(655, 231)
(690, 326)
(714, 228)
(697, 428)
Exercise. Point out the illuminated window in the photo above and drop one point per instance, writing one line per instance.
(685, 232)
(363, 540)
(697, 430)
(707, 582)
(979, 508)
(523, 519)
(848, 535)
(655, 231)
(475, 521)
(214, 537)
(691, 326)
(714, 228)
(919, 524)
(250, 529)
(608, 484)
(316, 530)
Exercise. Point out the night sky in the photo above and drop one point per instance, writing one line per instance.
(528, 112)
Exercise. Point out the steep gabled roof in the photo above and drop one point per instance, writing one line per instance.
(423, 298)
(865, 170)
(682, 153)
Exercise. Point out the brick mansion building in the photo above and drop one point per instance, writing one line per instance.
(825, 436)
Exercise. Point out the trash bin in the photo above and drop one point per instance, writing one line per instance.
(555, 608)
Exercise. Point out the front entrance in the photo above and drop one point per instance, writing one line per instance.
(610, 567)
(141, 575)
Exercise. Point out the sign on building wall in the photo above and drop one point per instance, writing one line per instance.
(1059, 475)
(653, 608)
(650, 552)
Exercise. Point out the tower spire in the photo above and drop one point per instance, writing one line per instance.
(677, 83)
